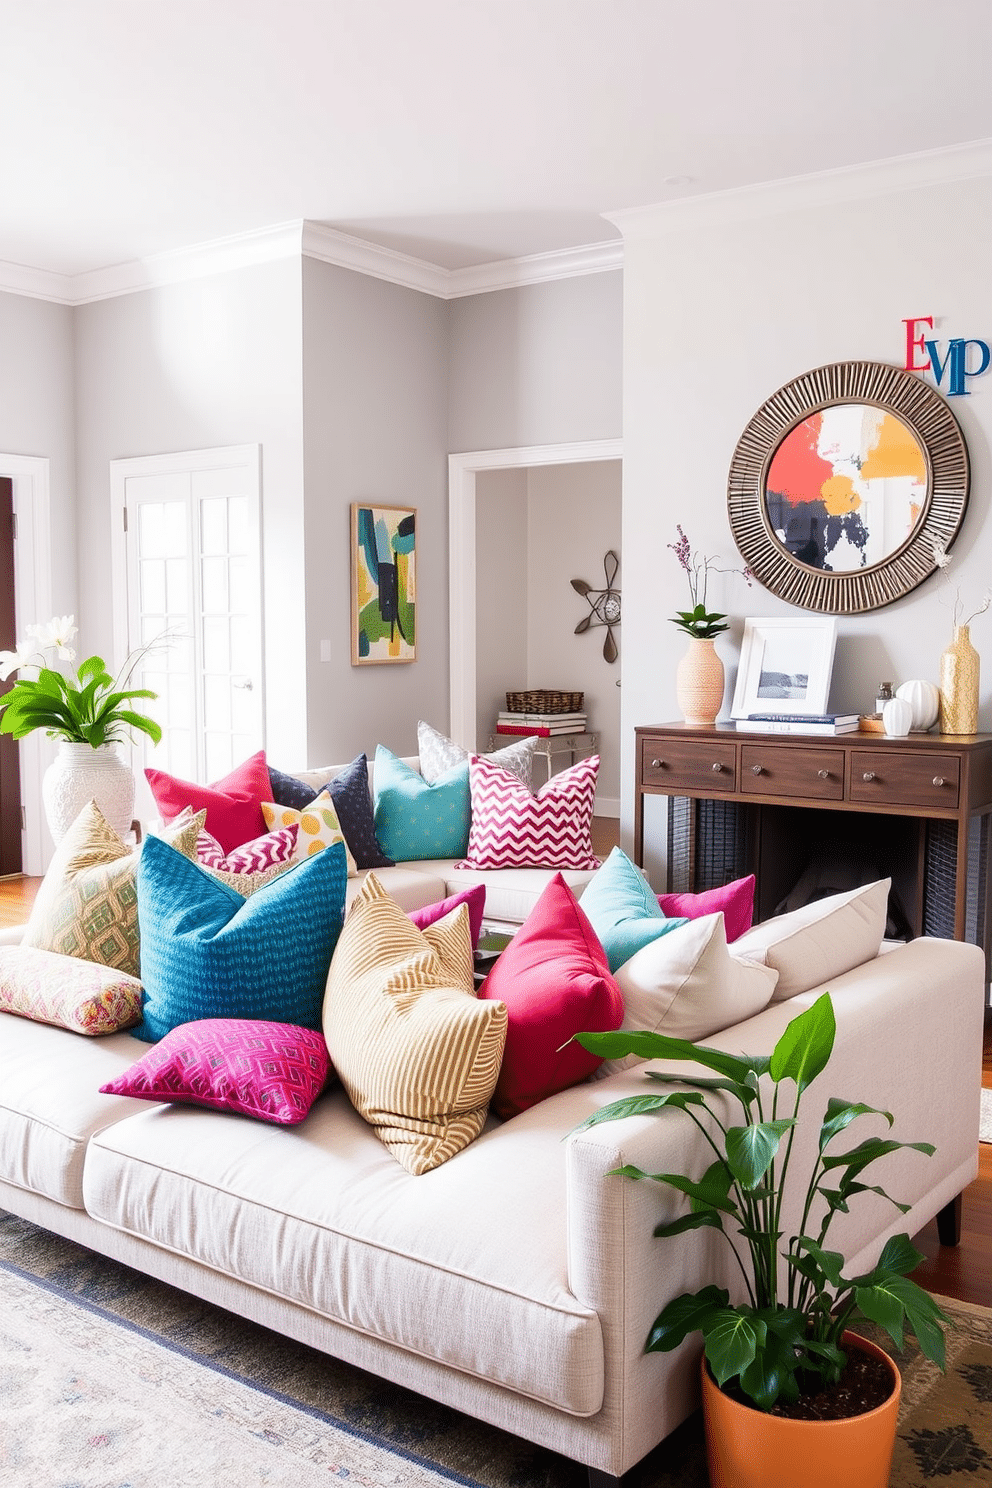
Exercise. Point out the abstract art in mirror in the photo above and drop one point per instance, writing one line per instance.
(841, 484)
(383, 584)
(785, 667)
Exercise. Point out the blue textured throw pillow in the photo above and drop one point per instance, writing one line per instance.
(414, 820)
(623, 910)
(349, 791)
(288, 791)
(206, 952)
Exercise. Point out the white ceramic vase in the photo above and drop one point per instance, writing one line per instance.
(78, 774)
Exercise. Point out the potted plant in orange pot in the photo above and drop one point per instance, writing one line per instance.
(784, 1377)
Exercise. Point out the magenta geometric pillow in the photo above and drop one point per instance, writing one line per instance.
(511, 828)
(253, 857)
(274, 1071)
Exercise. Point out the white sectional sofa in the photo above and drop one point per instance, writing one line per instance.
(511, 893)
(517, 1281)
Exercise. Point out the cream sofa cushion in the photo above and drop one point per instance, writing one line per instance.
(821, 940)
(414, 1049)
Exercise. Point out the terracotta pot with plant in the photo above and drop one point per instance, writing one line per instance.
(699, 677)
(784, 1378)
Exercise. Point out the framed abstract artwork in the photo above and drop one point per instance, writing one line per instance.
(383, 584)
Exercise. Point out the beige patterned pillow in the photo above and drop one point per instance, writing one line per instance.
(318, 827)
(416, 1051)
(66, 991)
(87, 905)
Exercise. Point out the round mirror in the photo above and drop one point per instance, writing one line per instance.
(842, 483)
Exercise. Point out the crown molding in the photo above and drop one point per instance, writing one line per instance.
(334, 247)
(36, 284)
(818, 189)
(310, 239)
(328, 245)
(220, 256)
(536, 268)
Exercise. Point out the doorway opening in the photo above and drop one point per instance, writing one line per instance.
(479, 482)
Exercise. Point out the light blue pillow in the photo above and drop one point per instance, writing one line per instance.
(207, 952)
(623, 909)
(415, 820)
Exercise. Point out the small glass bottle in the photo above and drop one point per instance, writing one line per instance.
(884, 695)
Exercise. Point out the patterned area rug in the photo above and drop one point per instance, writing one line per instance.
(185, 1395)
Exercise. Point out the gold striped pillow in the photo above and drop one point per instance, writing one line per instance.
(417, 1053)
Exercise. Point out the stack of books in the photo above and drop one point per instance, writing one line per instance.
(800, 723)
(545, 725)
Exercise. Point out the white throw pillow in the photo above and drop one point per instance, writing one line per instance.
(821, 940)
(687, 985)
(438, 754)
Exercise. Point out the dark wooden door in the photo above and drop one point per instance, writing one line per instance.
(10, 774)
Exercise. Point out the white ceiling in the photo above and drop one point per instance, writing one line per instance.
(458, 131)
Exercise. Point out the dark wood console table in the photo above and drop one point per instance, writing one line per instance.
(741, 803)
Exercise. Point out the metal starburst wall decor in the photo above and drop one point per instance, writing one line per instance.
(604, 605)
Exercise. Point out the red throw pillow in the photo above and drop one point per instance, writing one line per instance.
(233, 805)
(555, 982)
(736, 900)
(474, 897)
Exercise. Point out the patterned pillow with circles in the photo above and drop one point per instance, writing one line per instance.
(317, 827)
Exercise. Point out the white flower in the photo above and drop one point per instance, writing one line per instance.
(55, 636)
(10, 661)
(941, 556)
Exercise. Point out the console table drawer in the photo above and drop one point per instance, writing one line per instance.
(905, 779)
(769, 770)
(686, 766)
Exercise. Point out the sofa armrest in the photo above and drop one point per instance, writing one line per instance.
(909, 1041)
(11, 935)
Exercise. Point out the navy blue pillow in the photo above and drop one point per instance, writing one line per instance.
(350, 793)
(288, 791)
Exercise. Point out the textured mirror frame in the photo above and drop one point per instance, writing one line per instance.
(934, 426)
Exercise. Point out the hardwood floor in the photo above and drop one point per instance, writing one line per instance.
(963, 1271)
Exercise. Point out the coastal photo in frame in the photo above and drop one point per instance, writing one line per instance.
(785, 666)
(383, 584)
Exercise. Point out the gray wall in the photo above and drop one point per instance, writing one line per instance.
(375, 394)
(209, 362)
(537, 365)
(37, 418)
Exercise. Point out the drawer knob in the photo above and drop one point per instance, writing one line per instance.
(757, 769)
(823, 774)
(868, 775)
(657, 764)
(938, 780)
(717, 767)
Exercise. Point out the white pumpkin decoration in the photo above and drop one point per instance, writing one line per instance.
(897, 716)
(924, 699)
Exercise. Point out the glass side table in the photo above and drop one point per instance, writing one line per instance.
(576, 745)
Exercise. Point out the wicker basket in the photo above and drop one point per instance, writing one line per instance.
(540, 700)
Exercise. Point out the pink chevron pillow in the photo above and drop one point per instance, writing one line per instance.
(253, 857)
(273, 1071)
(511, 828)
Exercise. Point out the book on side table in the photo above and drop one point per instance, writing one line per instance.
(799, 723)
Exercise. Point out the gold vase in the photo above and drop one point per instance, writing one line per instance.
(959, 667)
(699, 683)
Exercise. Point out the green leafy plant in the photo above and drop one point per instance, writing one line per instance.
(699, 622)
(785, 1339)
(83, 706)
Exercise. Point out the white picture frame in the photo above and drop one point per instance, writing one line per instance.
(785, 666)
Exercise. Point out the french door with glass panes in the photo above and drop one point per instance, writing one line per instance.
(191, 552)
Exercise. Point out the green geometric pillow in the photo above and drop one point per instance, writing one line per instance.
(87, 905)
